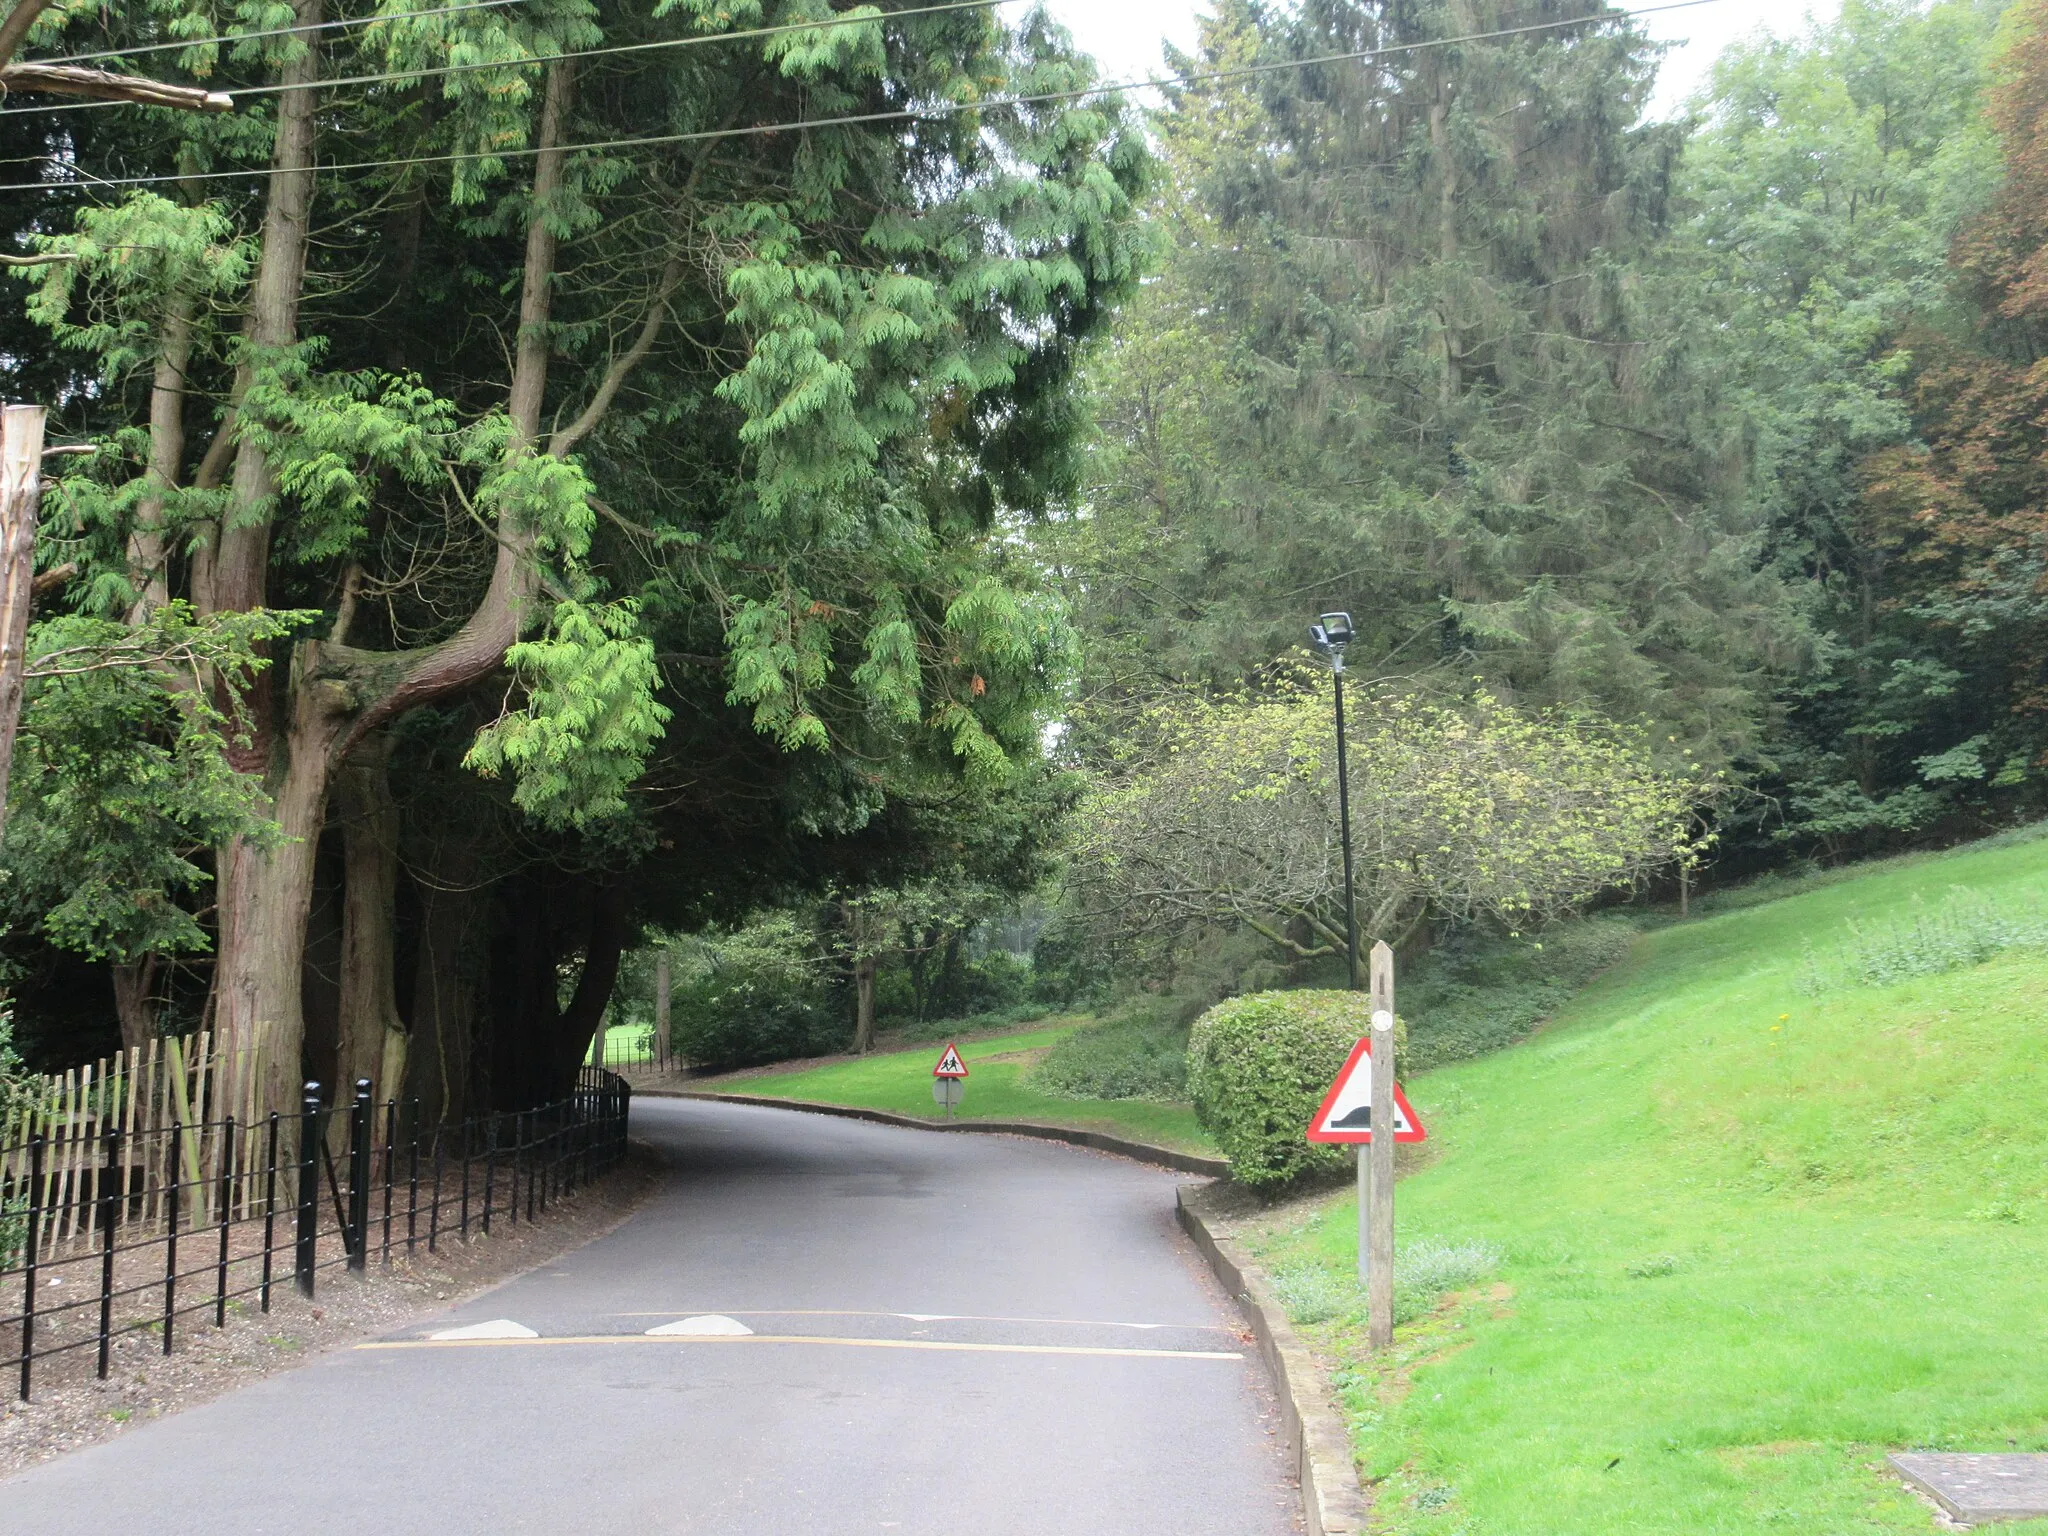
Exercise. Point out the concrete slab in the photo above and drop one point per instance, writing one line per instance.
(1974, 1488)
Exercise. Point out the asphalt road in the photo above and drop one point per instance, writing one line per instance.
(883, 1331)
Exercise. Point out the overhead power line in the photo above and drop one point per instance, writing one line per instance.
(244, 37)
(435, 70)
(936, 112)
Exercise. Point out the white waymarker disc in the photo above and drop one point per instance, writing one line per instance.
(497, 1328)
(711, 1326)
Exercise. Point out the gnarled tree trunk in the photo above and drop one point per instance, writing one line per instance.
(335, 696)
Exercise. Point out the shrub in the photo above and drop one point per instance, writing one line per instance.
(1259, 1066)
(1140, 1051)
(758, 995)
(740, 1023)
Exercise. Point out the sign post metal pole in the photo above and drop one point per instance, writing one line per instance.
(947, 1087)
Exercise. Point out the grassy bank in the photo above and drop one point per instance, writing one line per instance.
(901, 1082)
(1749, 1238)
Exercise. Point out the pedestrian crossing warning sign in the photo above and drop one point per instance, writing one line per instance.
(950, 1064)
(1346, 1111)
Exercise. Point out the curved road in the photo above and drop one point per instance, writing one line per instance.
(880, 1330)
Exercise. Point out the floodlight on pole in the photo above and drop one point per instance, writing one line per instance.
(1330, 635)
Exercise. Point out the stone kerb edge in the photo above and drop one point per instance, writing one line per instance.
(1331, 1497)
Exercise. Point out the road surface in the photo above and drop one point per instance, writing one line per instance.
(869, 1329)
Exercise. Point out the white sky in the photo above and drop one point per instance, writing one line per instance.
(1125, 35)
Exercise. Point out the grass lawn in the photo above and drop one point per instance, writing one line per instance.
(901, 1082)
(1751, 1240)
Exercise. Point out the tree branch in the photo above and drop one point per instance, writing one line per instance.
(14, 30)
(105, 85)
(565, 440)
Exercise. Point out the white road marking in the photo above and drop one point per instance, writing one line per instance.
(939, 1317)
(497, 1328)
(713, 1324)
(947, 1345)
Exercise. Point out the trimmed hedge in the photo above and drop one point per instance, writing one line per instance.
(1259, 1065)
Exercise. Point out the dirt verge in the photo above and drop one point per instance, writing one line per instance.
(71, 1407)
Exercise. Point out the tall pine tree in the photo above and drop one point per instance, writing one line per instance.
(1409, 356)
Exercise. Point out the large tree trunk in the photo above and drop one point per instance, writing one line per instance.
(135, 1000)
(372, 1034)
(864, 1003)
(453, 911)
(582, 1020)
(265, 895)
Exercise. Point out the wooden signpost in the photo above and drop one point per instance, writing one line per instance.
(1363, 1099)
(1377, 1208)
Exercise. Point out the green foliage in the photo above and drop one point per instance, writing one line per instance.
(756, 995)
(129, 264)
(1410, 355)
(328, 435)
(1966, 929)
(121, 782)
(589, 720)
(15, 1088)
(1830, 177)
(1790, 1191)
(1258, 1066)
(1136, 1052)
(1228, 814)
(1477, 989)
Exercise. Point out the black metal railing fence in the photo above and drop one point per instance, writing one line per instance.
(116, 1232)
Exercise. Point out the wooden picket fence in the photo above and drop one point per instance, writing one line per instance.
(172, 1096)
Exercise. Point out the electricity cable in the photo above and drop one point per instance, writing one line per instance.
(934, 113)
(426, 71)
(244, 37)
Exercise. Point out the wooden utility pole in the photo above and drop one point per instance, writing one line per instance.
(21, 490)
(1376, 1207)
(662, 984)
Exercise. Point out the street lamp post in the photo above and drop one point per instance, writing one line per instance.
(1331, 636)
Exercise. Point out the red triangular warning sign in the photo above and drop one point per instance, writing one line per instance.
(1346, 1110)
(950, 1064)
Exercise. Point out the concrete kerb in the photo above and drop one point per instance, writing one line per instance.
(1143, 1152)
(1331, 1498)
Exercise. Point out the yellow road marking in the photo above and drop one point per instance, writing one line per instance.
(809, 1338)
